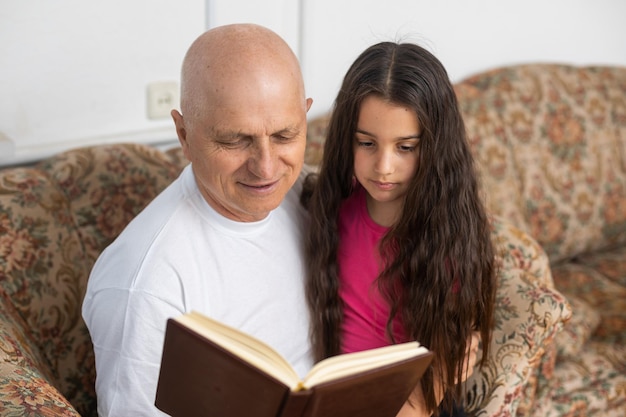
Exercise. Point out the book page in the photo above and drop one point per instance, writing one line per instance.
(243, 345)
(352, 363)
(262, 356)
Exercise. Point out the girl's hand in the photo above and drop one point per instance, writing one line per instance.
(415, 407)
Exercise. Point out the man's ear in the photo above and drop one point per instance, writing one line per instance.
(181, 132)
(309, 101)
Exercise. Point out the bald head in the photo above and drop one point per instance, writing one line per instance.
(234, 60)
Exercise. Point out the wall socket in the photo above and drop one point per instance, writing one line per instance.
(161, 98)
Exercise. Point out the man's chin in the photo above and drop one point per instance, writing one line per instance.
(256, 210)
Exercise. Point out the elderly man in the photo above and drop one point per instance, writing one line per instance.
(225, 238)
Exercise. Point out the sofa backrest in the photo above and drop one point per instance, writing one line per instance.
(550, 143)
(55, 219)
(107, 186)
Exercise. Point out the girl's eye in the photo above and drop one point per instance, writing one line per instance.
(407, 148)
(365, 144)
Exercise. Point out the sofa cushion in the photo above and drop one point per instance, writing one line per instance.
(550, 141)
(593, 279)
(578, 330)
(592, 383)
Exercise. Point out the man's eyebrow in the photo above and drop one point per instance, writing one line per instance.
(227, 134)
(230, 135)
(287, 131)
(366, 133)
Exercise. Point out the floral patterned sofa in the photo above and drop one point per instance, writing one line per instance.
(550, 144)
(55, 218)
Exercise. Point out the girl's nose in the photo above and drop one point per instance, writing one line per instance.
(384, 163)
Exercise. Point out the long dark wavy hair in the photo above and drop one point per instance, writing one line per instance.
(439, 275)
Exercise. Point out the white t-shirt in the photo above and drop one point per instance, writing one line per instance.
(180, 255)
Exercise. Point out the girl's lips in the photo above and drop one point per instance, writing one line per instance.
(384, 185)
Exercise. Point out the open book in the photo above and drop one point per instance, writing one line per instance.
(210, 369)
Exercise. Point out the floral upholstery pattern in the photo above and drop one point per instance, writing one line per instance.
(55, 218)
(25, 388)
(550, 147)
(530, 314)
(550, 143)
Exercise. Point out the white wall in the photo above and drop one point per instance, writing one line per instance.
(74, 72)
(467, 36)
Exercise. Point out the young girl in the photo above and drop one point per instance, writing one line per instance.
(399, 244)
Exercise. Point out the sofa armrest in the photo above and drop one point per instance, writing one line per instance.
(24, 392)
(25, 382)
(516, 249)
(529, 314)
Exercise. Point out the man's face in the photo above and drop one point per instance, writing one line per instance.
(247, 149)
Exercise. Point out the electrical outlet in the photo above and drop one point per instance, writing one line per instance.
(162, 97)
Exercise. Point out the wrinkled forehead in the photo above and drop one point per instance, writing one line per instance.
(254, 106)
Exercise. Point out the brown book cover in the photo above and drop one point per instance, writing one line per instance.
(207, 369)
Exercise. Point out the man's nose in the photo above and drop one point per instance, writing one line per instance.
(261, 161)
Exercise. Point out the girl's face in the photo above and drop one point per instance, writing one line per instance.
(385, 156)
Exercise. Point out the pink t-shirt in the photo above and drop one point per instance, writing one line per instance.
(365, 311)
